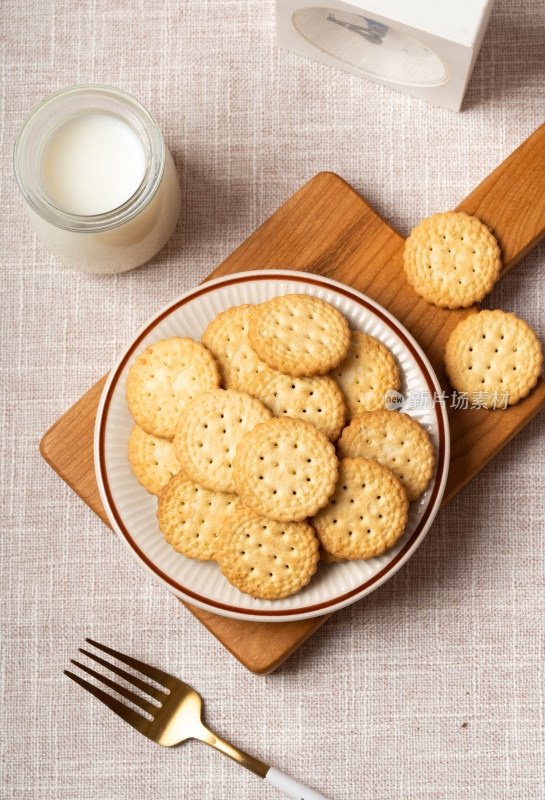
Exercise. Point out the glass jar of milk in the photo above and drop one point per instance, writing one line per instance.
(100, 186)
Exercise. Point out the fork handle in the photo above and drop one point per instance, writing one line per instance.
(270, 774)
(291, 787)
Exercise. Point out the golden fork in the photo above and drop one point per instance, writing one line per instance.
(174, 716)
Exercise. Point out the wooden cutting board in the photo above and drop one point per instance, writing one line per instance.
(327, 228)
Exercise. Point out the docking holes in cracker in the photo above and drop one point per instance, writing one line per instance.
(452, 260)
(494, 358)
(285, 469)
(190, 516)
(209, 431)
(396, 441)
(264, 558)
(317, 400)
(298, 334)
(366, 514)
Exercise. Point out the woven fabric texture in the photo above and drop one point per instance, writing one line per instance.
(430, 688)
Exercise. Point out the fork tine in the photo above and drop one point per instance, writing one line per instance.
(156, 675)
(140, 723)
(140, 684)
(145, 705)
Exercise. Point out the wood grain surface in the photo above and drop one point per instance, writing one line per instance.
(327, 228)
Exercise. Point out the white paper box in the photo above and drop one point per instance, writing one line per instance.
(426, 48)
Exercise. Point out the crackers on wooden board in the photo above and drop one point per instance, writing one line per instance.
(494, 357)
(452, 260)
(236, 434)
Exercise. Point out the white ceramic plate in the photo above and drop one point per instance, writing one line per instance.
(131, 510)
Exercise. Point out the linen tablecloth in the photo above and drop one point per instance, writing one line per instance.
(433, 686)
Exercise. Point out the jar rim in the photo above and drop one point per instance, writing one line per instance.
(113, 101)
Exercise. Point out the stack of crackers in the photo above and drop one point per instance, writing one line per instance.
(269, 445)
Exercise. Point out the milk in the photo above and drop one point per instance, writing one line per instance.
(101, 187)
(92, 164)
(124, 247)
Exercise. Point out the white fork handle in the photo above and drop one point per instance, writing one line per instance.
(290, 787)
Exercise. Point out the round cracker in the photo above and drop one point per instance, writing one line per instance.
(317, 400)
(264, 558)
(209, 431)
(227, 339)
(367, 513)
(452, 260)
(366, 374)
(494, 357)
(152, 459)
(190, 516)
(285, 469)
(298, 334)
(166, 376)
(395, 440)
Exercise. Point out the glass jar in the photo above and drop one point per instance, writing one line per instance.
(104, 128)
